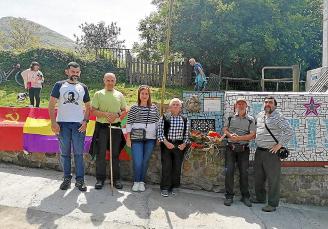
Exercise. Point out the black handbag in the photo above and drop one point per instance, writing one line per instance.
(139, 134)
(283, 153)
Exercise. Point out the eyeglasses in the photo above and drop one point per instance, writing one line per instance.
(144, 87)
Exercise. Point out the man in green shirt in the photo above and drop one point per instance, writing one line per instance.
(107, 105)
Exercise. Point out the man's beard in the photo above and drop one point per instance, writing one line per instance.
(73, 78)
(268, 110)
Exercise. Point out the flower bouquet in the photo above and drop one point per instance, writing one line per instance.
(200, 140)
(208, 144)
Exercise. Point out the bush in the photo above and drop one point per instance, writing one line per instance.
(53, 63)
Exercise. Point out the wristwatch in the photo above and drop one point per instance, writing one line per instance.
(86, 120)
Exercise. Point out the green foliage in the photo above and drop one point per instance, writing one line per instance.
(19, 34)
(243, 36)
(53, 63)
(98, 35)
(22, 35)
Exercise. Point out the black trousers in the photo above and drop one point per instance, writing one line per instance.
(242, 160)
(103, 145)
(171, 167)
(34, 93)
(267, 167)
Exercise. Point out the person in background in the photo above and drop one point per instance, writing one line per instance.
(200, 79)
(143, 115)
(33, 80)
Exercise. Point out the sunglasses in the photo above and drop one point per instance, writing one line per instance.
(144, 87)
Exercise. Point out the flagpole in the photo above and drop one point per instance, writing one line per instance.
(166, 54)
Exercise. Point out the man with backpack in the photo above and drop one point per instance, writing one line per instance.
(240, 129)
(173, 134)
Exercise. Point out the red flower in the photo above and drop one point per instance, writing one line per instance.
(214, 134)
(196, 145)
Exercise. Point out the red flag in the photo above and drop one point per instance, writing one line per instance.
(12, 120)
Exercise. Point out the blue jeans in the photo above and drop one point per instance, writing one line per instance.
(200, 83)
(70, 139)
(141, 152)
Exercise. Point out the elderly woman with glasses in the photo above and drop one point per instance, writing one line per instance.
(141, 128)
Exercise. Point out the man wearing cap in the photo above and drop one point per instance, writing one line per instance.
(239, 129)
(267, 163)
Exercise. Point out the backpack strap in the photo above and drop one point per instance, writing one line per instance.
(250, 121)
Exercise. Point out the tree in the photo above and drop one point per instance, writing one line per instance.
(99, 35)
(152, 32)
(22, 35)
(240, 36)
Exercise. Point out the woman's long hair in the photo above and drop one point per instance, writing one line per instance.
(144, 87)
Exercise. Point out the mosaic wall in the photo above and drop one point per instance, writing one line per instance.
(307, 114)
(210, 116)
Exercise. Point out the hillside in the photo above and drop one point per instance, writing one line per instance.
(47, 36)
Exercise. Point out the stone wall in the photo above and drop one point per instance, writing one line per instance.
(203, 170)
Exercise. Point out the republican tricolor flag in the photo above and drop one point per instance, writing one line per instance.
(29, 129)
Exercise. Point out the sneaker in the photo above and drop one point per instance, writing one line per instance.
(268, 208)
(256, 201)
(174, 192)
(228, 201)
(118, 185)
(135, 186)
(247, 202)
(99, 184)
(81, 186)
(165, 193)
(142, 186)
(66, 184)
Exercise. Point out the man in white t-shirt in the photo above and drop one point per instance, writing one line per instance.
(71, 122)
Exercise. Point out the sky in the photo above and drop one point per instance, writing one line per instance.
(64, 16)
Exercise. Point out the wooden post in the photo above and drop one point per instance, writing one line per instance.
(166, 54)
(296, 78)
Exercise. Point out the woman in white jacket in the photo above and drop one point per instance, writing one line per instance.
(33, 79)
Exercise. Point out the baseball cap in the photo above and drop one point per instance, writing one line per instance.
(241, 99)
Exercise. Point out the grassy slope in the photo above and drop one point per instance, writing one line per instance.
(9, 90)
(47, 36)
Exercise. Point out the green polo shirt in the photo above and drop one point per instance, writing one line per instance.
(108, 101)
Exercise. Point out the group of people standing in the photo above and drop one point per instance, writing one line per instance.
(171, 131)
